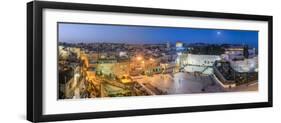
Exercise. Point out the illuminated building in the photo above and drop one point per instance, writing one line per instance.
(238, 53)
(201, 63)
(179, 44)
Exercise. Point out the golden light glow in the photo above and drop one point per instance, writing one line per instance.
(139, 58)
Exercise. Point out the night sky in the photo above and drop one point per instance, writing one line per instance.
(90, 33)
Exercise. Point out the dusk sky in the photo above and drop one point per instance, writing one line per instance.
(88, 33)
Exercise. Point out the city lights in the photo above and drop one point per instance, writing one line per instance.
(123, 68)
(139, 58)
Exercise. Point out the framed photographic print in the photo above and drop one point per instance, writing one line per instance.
(94, 61)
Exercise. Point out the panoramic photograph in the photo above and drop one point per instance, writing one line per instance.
(106, 60)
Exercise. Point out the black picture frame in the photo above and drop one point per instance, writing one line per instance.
(34, 60)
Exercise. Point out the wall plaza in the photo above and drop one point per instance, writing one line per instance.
(91, 70)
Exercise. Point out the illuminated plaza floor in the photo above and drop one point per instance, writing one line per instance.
(182, 83)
